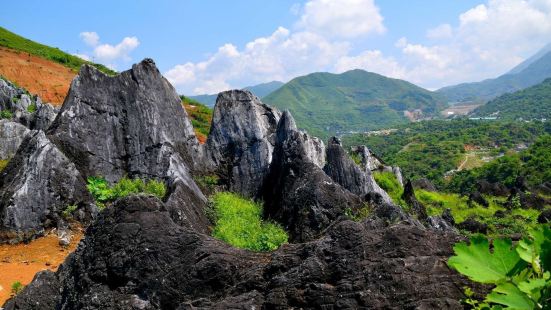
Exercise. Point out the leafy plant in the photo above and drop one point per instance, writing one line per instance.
(6, 114)
(104, 193)
(520, 273)
(68, 212)
(360, 214)
(207, 182)
(238, 222)
(31, 108)
(16, 287)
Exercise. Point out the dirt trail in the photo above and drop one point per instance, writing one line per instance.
(39, 76)
(21, 262)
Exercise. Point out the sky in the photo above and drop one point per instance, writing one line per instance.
(207, 46)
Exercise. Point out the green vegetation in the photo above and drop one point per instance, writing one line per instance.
(103, 193)
(388, 182)
(207, 182)
(520, 273)
(31, 108)
(527, 104)
(3, 164)
(325, 103)
(363, 213)
(6, 114)
(486, 90)
(11, 40)
(238, 222)
(513, 221)
(68, 212)
(16, 288)
(534, 164)
(201, 117)
(431, 148)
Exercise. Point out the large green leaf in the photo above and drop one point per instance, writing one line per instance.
(477, 262)
(509, 295)
(536, 249)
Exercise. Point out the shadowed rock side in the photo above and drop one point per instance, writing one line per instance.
(297, 193)
(11, 136)
(36, 186)
(135, 257)
(241, 140)
(345, 172)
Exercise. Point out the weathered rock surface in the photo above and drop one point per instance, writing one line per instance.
(36, 186)
(11, 136)
(297, 193)
(130, 124)
(409, 197)
(135, 257)
(241, 140)
(344, 171)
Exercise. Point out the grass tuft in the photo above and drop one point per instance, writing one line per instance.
(238, 222)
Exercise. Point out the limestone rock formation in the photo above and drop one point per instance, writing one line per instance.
(135, 257)
(345, 172)
(241, 140)
(297, 193)
(11, 136)
(36, 186)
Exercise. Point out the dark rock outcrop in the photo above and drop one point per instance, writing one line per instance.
(417, 207)
(132, 124)
(344, 171)
(297, 193)
(545, 216)
(424, 184)
(494, 189)
(36, 186)
(473, 226)
(479, 199)
(241, 140)
(135, 257)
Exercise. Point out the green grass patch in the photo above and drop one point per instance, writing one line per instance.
(388, 182)
(11, 40)
(239, 223)
(514, 221)
(103, 193)
(6, 114)
(3, 164)
(31, 108)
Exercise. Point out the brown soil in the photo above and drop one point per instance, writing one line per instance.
(39, 76)
(21, 262)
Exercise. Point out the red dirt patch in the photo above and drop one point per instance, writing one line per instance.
(39, 76)
(21, 262)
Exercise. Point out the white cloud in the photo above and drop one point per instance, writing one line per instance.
(107, 52)
(443, 31)
(90, 38)
(342, 18)
(483, 42)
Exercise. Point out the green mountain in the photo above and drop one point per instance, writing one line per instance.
(264, 89)
(260, 90)
(327, 104)
(530, 103)
(528, 73)
(11, 40)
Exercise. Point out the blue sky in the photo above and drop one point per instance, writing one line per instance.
(205, 46)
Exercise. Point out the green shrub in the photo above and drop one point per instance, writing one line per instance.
(31, 108)
(68, 212)
(360, 214)
(103, 193)
(3, 164)
(238, 222)
(6, 114)
(16, 288)
(207, 182)
(520, 274)
(388, 182)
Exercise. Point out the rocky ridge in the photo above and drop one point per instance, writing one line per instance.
(144, 253)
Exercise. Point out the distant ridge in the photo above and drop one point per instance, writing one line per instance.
(260, 90)
(531, 72)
